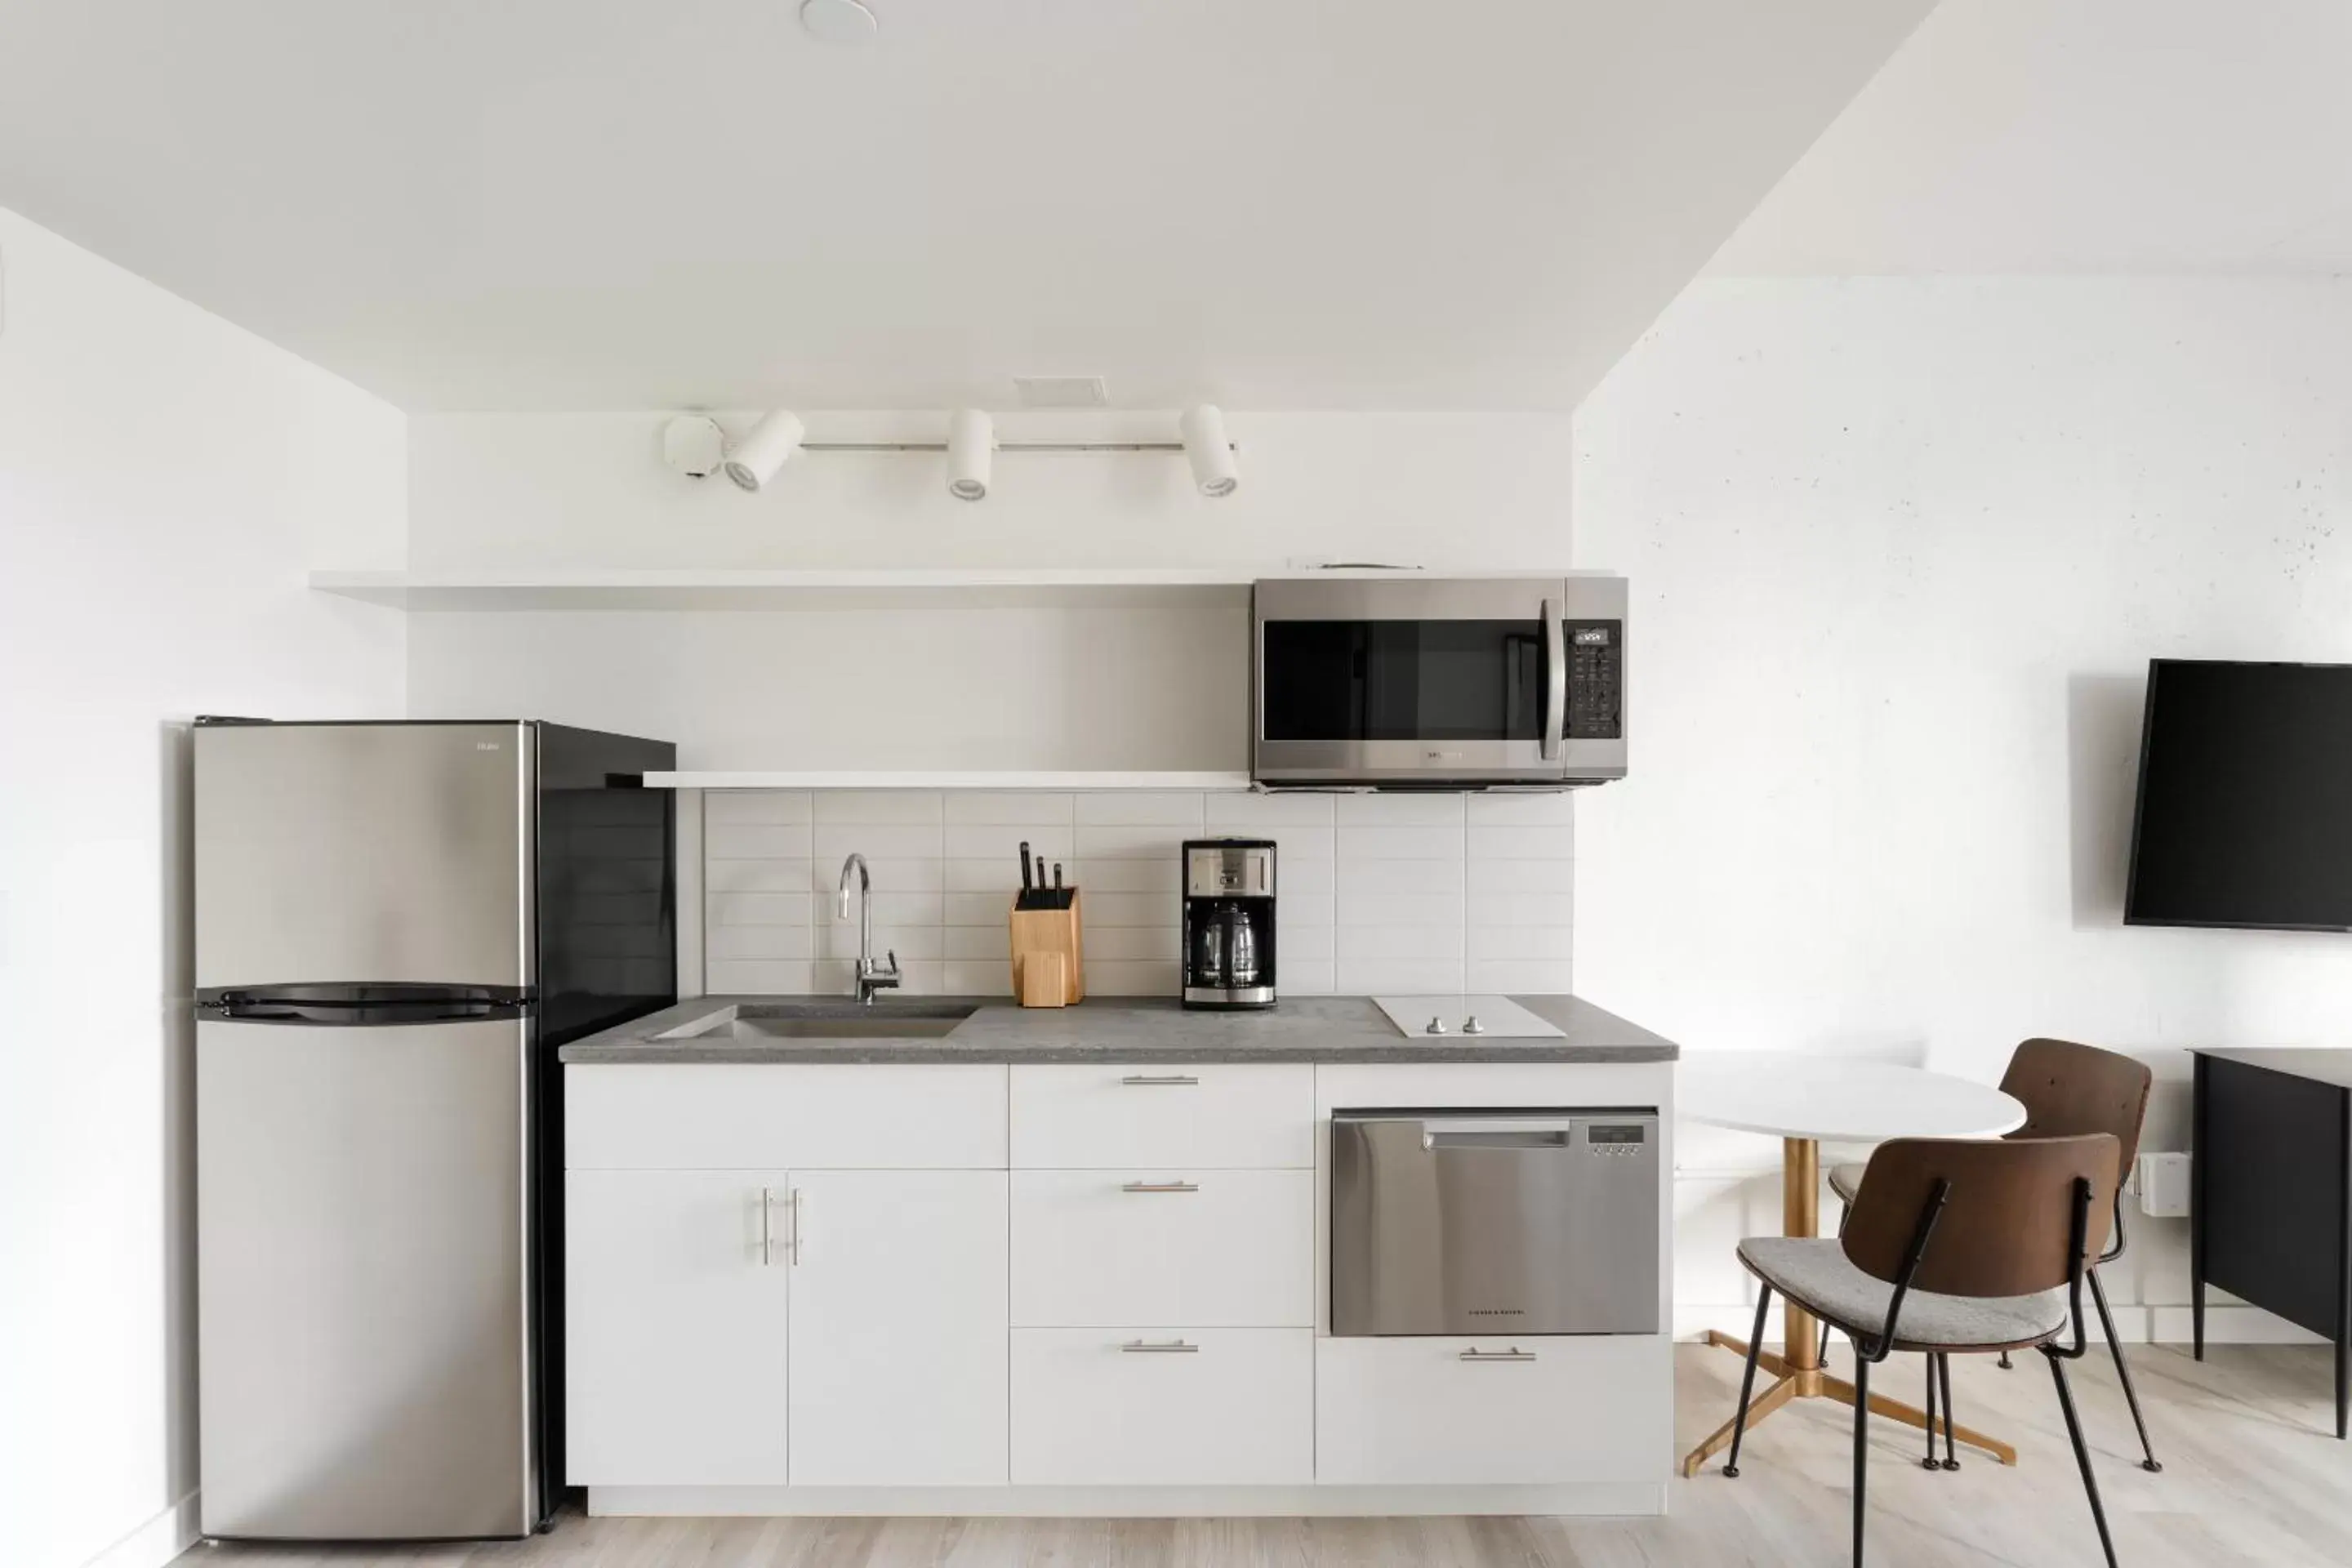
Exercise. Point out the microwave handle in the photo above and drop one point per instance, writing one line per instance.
(1555, 679)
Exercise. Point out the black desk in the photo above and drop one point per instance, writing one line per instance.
(2271, 1192)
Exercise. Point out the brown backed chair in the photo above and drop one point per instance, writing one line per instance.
(2066, 1088)
(1952, 1246)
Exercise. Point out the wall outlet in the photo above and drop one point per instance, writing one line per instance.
(2163, 1184)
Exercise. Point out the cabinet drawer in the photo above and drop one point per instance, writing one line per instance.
(1203, 1116)
(1192, 1245)
(1235, 1409)
(752, 1116)
(1405, 1411)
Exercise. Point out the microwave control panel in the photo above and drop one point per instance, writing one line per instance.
(1596, 680)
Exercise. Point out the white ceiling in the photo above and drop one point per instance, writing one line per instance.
(612, 203)
(2070, 136)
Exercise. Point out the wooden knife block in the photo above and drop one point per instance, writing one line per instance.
(1048, 960)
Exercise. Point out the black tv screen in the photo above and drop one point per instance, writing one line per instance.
(2245, 797)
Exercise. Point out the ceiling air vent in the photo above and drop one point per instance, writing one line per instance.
(1061, 391)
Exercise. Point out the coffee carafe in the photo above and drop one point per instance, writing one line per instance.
(1228, 922)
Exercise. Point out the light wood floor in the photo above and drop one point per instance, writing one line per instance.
(2252, 1476)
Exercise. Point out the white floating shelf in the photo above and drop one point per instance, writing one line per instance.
(759, 589)
(726, 779)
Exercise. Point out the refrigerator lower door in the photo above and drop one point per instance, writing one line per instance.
(364, 1330)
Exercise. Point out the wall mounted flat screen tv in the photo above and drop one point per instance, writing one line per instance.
(2245, 797)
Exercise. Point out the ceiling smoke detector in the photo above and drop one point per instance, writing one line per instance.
(1061, 391)
(839, 21)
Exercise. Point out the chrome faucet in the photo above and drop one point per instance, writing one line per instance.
(871, 976)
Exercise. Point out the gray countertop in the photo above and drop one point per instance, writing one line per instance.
(1119, 1029)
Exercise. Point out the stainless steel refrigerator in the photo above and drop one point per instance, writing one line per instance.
(396, 923)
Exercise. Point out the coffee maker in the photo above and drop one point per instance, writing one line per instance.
(1228, 922)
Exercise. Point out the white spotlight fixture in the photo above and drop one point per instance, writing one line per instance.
(758, 456)
(971, 447)
(1211, 455)
(694, 445)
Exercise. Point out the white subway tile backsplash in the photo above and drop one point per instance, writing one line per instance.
(1137, 876)
(1522, 877)
(756, 876)
(1510, 843)
(1130, 841)
(1252, 814)
(770, 808)
(982, 841)
(1358, 877)
(1014, 808)
(1521, 909)
(879, 807)
(1522, 976)
(1556, 810)
(759, 977)
(1401, 910)
(1401, 843)
(757, 909)
(721, 942)
(1137, 808)
(1112, 944)
(755, 841)
(834, 843)
(1386, 894)
(1401, 942)
(1391, 977)
(1399, 811)
(1518, 942)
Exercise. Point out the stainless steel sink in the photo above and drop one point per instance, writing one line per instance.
(826, 1018)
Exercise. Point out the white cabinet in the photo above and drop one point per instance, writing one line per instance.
(1207, 1115)
(675, 1314)
(1192, 1246)
(898, 1326)
(1533, 1411)
(708, 1116)
(1164, 1407)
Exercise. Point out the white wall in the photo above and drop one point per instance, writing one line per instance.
(164, 481)
(1900, 551)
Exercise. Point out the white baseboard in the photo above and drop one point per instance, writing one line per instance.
(2134, 1324)
(1626, 1498)
(155, 1542)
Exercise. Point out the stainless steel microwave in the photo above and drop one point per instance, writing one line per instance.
(1435, 683)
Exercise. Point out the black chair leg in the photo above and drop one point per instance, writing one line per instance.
(1747, 1381)
(1944, 1372)
(1862, 1444)
(1929, 1462)
(2122, 1372)
(2081, 1454)
(2005, 1363)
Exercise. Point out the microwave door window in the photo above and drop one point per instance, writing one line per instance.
(1405, 680)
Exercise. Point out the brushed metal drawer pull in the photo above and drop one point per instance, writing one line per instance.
(767, 1227)
(1163, 1347)
(1514, 1353)
(1160, 1187)
(1160, 1080)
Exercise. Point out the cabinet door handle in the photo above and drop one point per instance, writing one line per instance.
(793, 1248)
(1160, 1347)
(1514, 1353)
(1160, 1080)
(1160, 1187)
(767, 1228)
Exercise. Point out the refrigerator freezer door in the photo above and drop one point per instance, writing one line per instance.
(363, 1361)
(341, 853)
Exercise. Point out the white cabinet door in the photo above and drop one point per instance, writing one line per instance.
(1195, 1247)
(898, 1328)
(1257, 1115)
(1163, 1407)
(675, 1291)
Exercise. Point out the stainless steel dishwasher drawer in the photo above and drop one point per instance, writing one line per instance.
(1492, 1222)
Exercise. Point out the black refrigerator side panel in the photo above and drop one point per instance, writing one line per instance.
(607, 919)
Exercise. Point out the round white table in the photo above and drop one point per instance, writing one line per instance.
(1802, 1100)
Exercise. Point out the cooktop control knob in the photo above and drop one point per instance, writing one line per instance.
(1436, 1026)
(1471, 1026)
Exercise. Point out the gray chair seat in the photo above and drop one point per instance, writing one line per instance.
(1846, 1180)
(1817, 1276)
